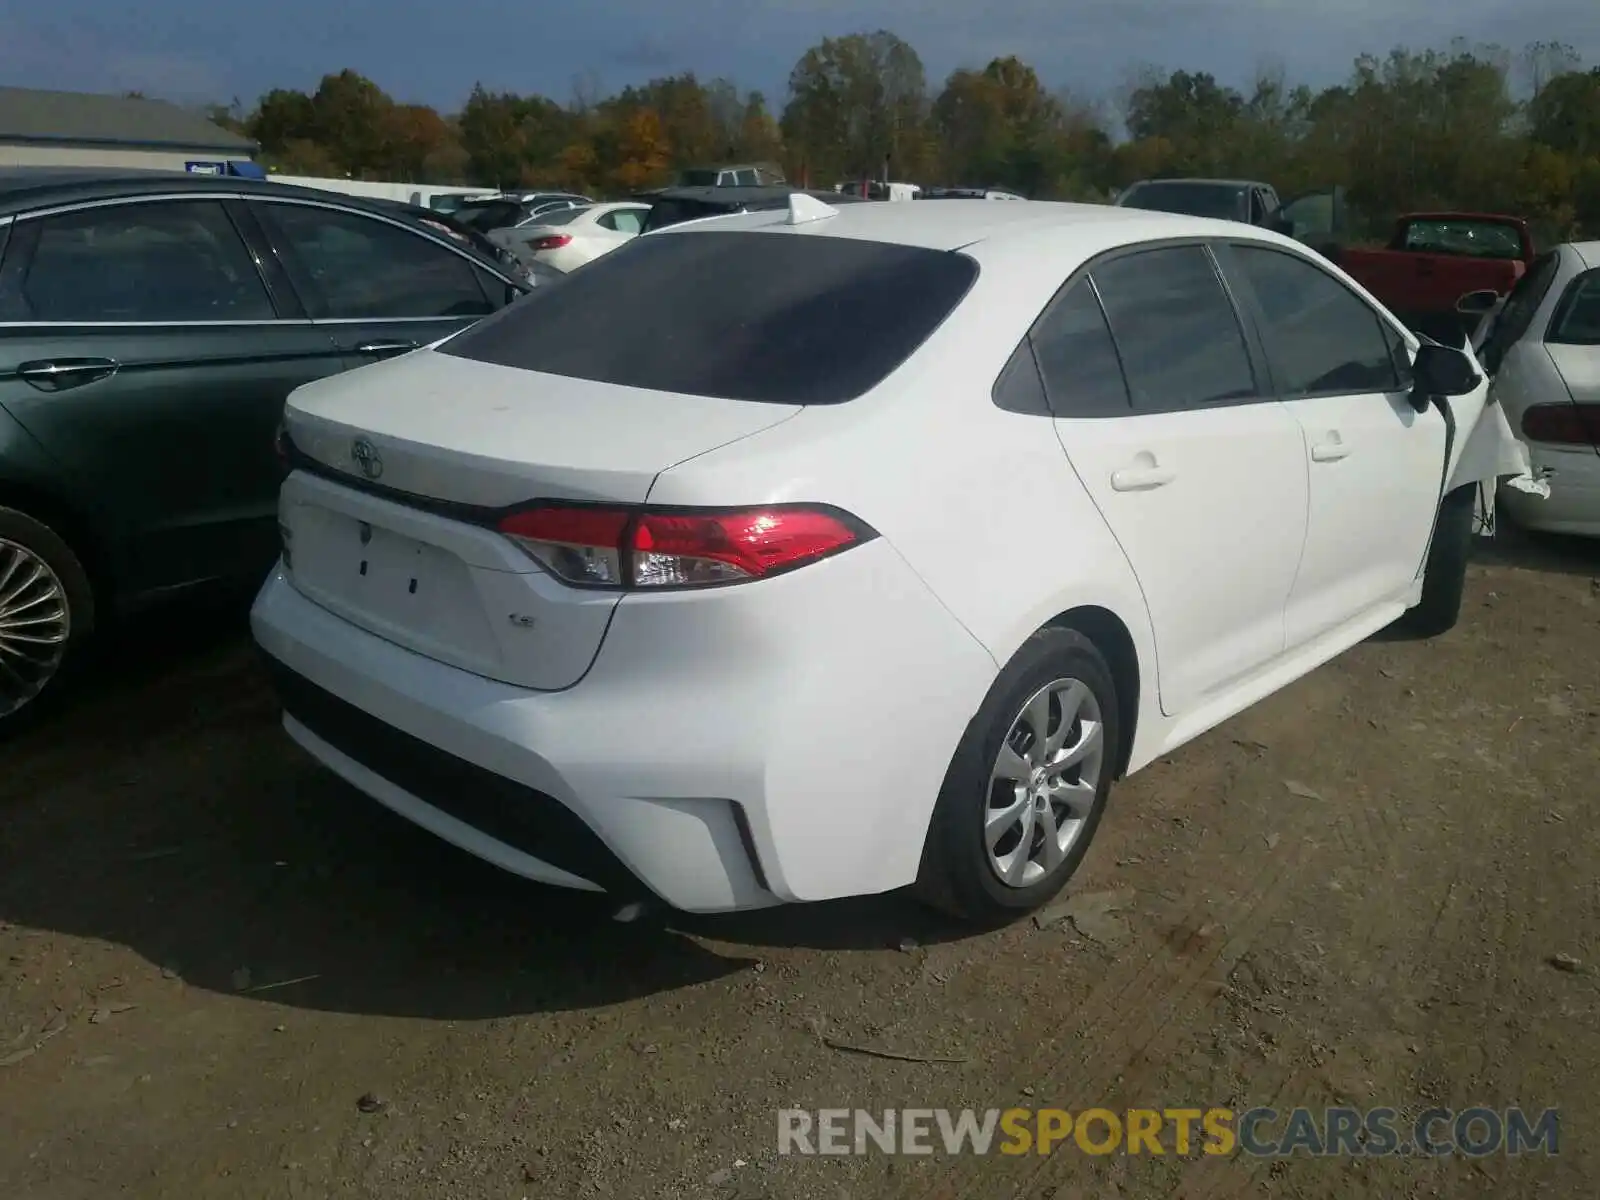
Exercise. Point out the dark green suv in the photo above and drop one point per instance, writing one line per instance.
(151, 326)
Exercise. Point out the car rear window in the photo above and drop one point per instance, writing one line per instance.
(674, 210)
(1473, 239)
(1219, 200)
(485, 215)
(773, 317)
(1577, 318)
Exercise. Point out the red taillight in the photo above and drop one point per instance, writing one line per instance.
(1563, 424)
(618, 547)
(554, 242)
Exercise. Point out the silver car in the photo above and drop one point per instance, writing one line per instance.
(1541, 346)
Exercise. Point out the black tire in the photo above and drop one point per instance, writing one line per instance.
(957, 876)
(1444, 577)
(25, 687)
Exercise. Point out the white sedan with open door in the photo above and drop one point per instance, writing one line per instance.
(888, 537)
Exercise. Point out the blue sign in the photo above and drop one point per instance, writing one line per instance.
(244, 169)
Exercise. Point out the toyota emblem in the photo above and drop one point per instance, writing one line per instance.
(365, 455)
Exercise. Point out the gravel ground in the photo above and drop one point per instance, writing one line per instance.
(224, 974)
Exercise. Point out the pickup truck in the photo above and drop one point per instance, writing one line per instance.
(1243, 200)
(1432, 260)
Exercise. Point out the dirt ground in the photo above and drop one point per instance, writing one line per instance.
(214, 956)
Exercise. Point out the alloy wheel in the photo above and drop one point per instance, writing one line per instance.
(35, 624)
(1044, 781)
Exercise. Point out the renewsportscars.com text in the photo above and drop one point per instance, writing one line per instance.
(1257, 1132)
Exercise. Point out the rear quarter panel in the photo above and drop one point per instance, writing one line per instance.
(982, 503)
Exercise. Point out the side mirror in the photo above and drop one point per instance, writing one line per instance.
(1441, 371)
(1476, 304)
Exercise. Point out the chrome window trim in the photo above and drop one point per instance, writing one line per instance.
(226, 324)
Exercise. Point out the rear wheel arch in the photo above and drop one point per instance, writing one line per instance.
(1114, 640)
(74, 528)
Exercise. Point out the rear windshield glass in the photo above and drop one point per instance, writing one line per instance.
(1223, 201)
(673, 210)
(1577, 320)
(559, 216)
(1476, 239)
(489, 214)
(774, 317)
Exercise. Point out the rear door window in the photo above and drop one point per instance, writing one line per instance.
(1077, 358)
(1322, 339)
(355, 267)
(1176, 330)
(172, 261)
(781, 318)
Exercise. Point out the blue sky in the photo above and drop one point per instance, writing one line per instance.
(431, 51)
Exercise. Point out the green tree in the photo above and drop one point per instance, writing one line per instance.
(853, 102)
(1565, 115)
(493, 136)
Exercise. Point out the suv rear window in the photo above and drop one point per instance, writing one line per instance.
(773, 317)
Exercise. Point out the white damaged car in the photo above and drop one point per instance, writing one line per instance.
(880, 541)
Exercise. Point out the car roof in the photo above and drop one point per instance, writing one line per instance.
(1232, 183)
(1588, 253)
(733, 197)
(23, 188)
(958, 224)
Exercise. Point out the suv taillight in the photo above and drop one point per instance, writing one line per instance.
(604, 547)
(1562, 424)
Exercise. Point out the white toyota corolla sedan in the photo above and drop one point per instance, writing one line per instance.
(867, 551)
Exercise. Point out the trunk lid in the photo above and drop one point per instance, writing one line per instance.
(1579, 367)
(479, 433)
(393, 530)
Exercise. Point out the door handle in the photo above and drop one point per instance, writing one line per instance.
(1141, 479)
(382, 349)
(1331, 450)
(58, 374)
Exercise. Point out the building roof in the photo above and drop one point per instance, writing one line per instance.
(86, 118)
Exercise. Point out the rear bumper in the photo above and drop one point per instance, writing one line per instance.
(783, 741)
(1573, 506)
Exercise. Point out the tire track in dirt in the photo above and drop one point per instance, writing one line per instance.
(1164, 992)
(1124, 1072)
(1222, 1177)
(1156, 986)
